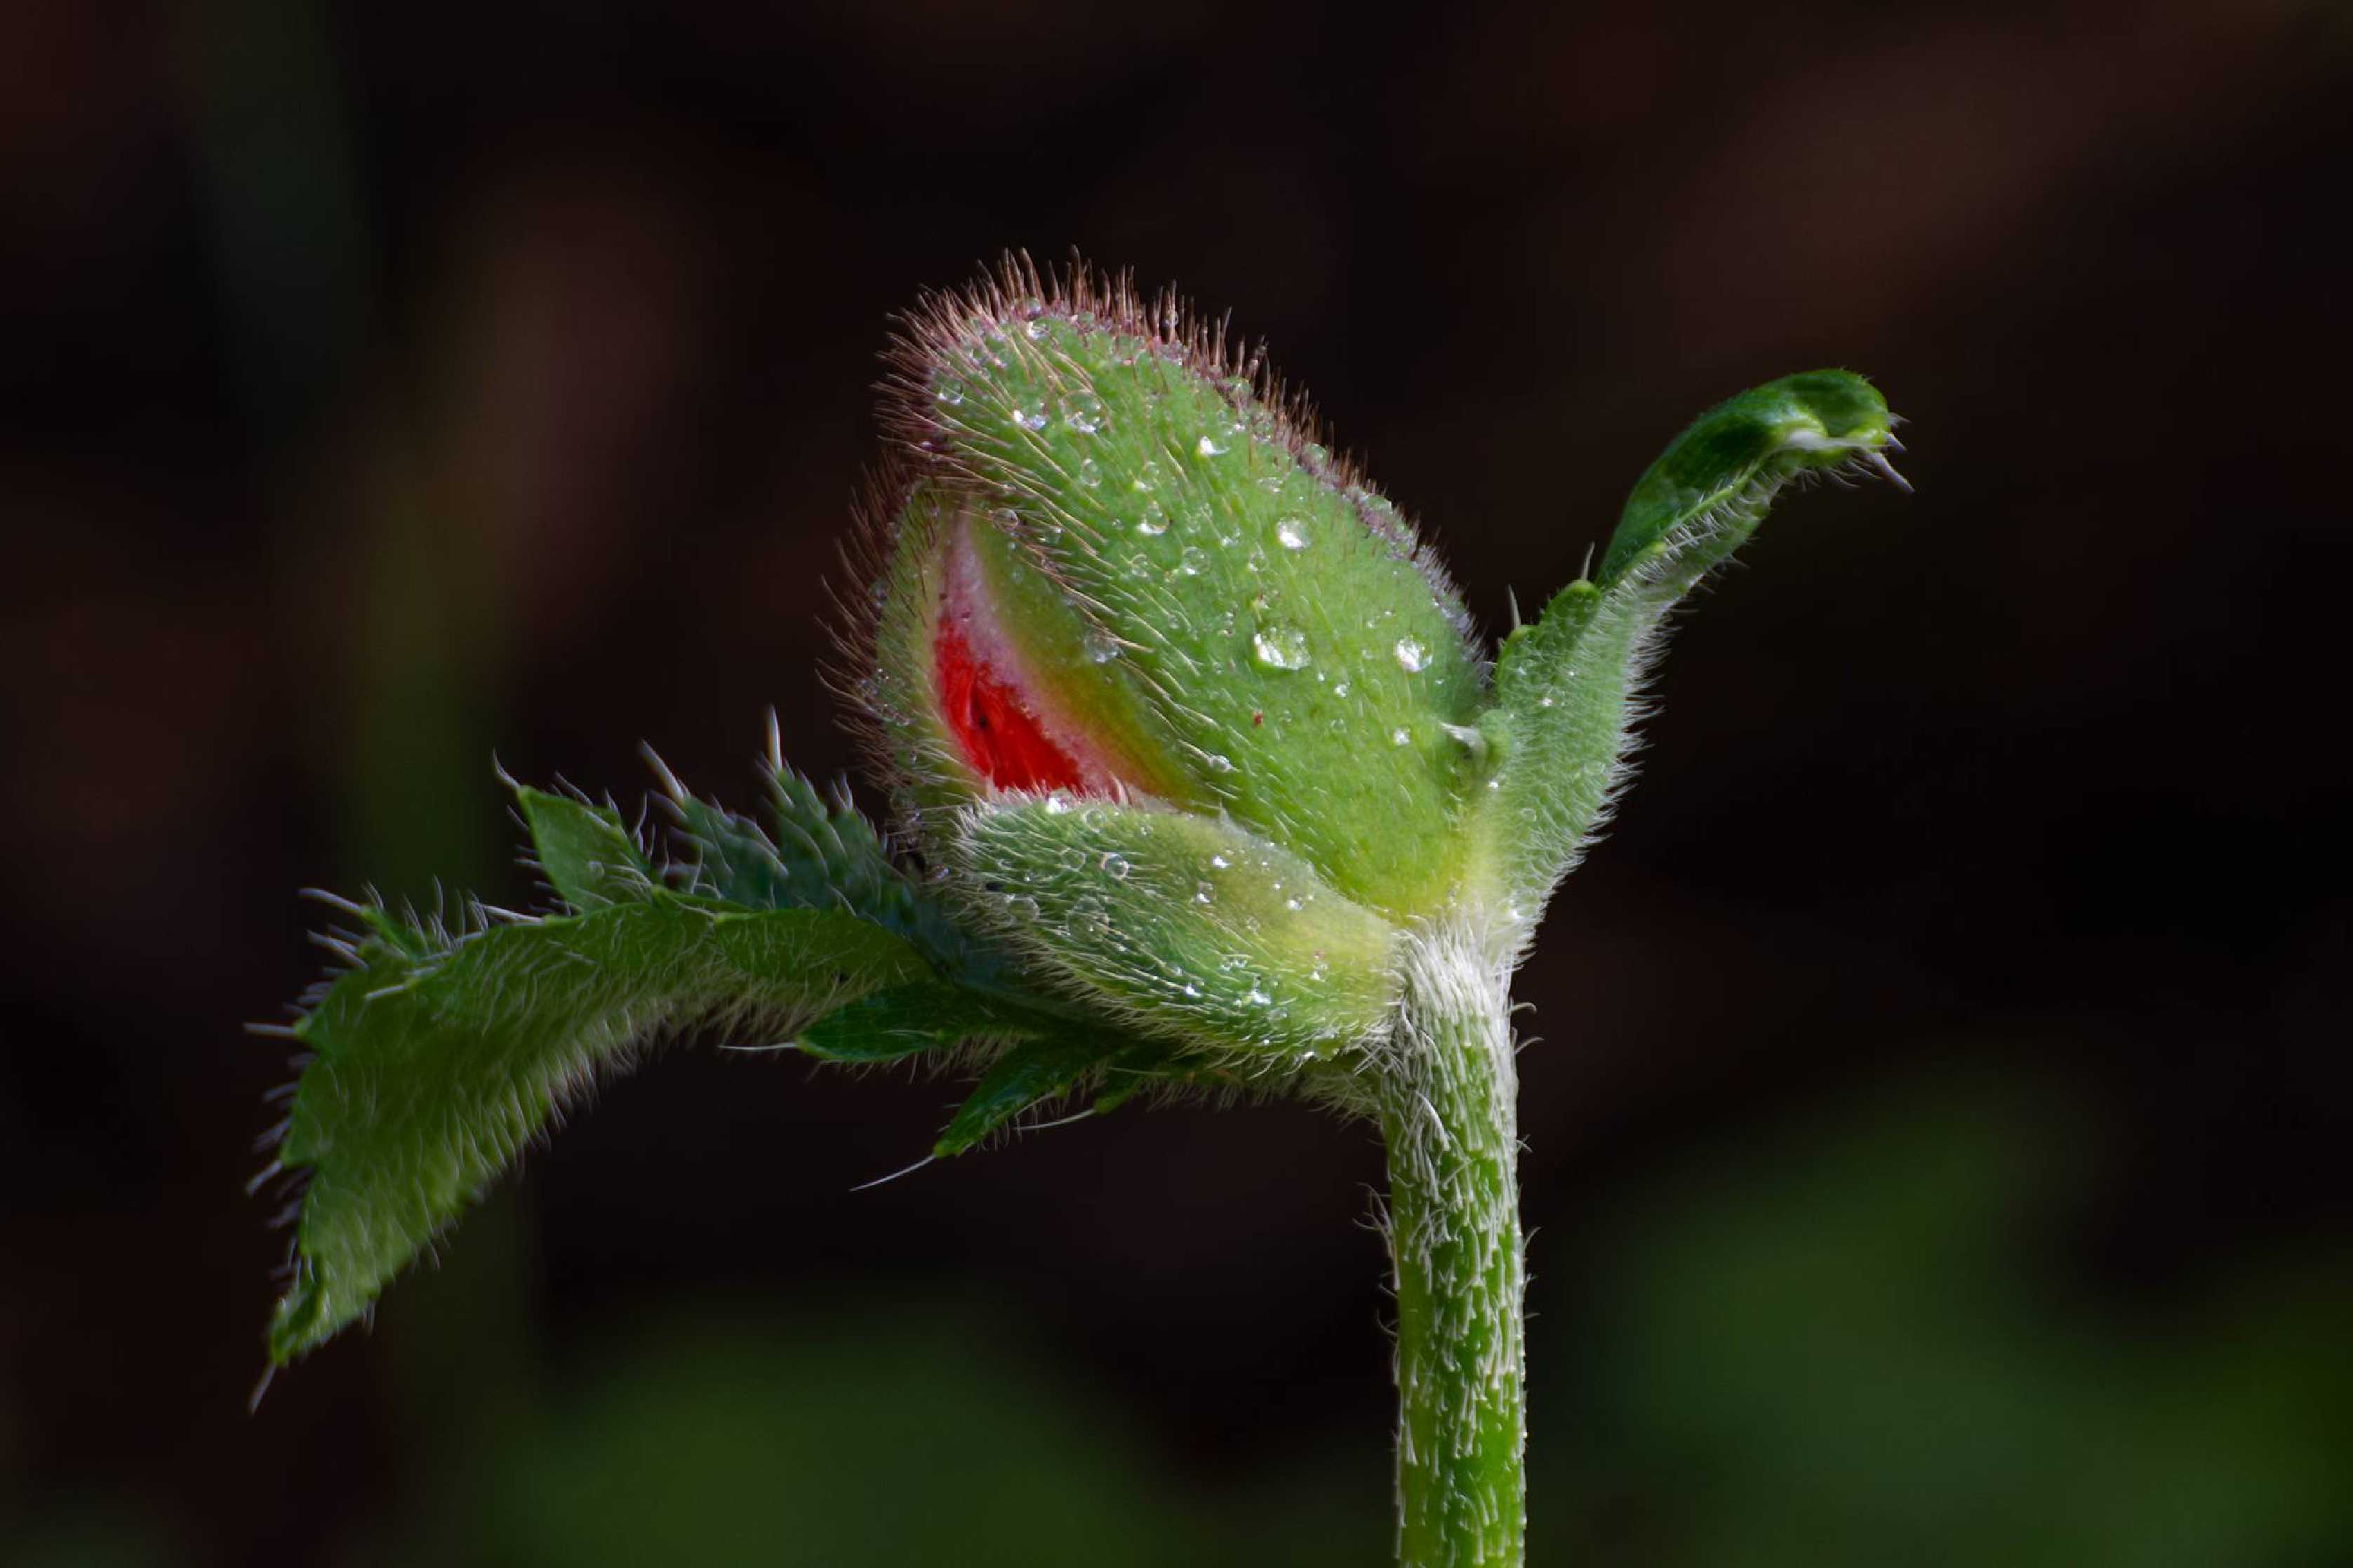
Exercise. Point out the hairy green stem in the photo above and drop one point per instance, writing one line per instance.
(1447, 1091)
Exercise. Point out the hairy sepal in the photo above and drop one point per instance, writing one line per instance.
(1186, 927)
(1567, 686)
(1190, 551)
(437, 1060)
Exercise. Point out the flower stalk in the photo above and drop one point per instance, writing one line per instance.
(1447, 1092)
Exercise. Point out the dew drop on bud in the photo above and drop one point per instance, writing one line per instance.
(1115, 867)
(1090, 473)
(1154, 520)
(1083, 412)
(1402, 736)
(1101, 647)
(1410, 655)
(1209, 448)
(1281, 647)
(1291, 534)
(1192, 561)
(1029, 418)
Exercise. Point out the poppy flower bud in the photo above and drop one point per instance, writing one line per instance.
(1123, 573)
(1178, 701)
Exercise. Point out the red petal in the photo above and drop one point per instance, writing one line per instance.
(1000, 738)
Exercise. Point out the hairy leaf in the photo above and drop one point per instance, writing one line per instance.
(1031, 1071)
(906, 1019)
(589, 859)
(437, 1061)
(820, 856)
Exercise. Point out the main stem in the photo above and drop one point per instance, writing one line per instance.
(1448, 1093)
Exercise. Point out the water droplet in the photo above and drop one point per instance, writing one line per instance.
(1083, 412)
(1191, 562)
(949, 396)
(1203, 892)
(1209, 448)
(1100, 647)
(1341, 689)
(1410, 655)
(1115, 867)
(1021, 906)
(1090, 473)
(1220, 861)
(1029, 418)
(1544, 701)
(1034, 331)
(1057, 806)
(1291, 533)
(1256, 997)
(1219, 764)
(1153, 521)
(1281, 647)
(1402, 736)
(1291, 903)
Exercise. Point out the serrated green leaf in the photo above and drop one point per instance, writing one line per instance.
(430, 1075)
(823, 857)
(1031, 1071)
(735, 862)
(589, 859)
(890, 1024)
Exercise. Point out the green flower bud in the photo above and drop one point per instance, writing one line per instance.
(1133, 616)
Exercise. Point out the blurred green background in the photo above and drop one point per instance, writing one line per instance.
(1937, 1146)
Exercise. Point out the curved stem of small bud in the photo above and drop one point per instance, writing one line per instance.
(1565, 684)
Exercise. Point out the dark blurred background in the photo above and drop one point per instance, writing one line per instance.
(1935, 1150)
